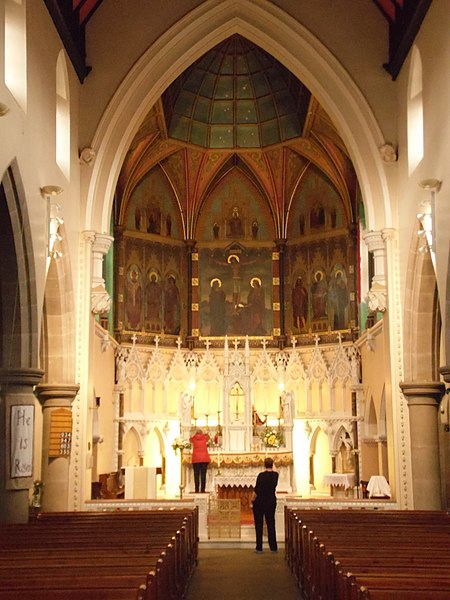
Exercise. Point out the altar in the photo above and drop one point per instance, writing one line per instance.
(233, 475)
(339, 480)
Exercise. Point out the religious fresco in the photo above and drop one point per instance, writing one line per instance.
(235, 244)
(153, 287)
(321, 275)
(321, 295)
(235, 210)
(152, 207)
(235, 291)
(316, 207)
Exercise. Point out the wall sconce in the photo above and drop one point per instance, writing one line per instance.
(51, 190)
(3, 109)
(431, 184)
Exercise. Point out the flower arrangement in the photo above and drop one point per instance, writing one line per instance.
(179, 444)
(272, 438)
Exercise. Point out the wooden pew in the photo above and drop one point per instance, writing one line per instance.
(139, 555)
(356, 555)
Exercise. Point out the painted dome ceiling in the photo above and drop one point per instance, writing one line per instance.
(236, 96)
(237, 107)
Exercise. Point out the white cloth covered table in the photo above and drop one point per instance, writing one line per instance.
(378, 486)
(347, 480)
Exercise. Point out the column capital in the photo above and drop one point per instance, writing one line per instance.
(445, 372)
(102, 243)
(20, 377)
(56, 394)
(374, 240)
(422, 393)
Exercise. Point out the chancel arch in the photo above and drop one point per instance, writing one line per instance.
(236, 216)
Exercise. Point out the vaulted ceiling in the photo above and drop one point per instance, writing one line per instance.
(404, 18)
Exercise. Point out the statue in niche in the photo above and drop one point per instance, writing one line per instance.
(133, 301)
(345, 451)
(235, 224)
(287, 407)
(172, 307)
(186, 403)
(216, 230)
(319, 294)
(217, 308)
(153, 303)
(255, 229)
(299, 305)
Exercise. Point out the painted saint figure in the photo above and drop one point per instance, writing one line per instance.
(319, 296)
(256, 302)
(339, 299)
(172, 307)
(217, 308)
(133, 298)
(153, 303)
(299, 305)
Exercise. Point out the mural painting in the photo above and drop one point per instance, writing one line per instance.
(153, 288)
(235, 292)
(321, 260)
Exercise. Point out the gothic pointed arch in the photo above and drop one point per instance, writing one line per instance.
(18, 302)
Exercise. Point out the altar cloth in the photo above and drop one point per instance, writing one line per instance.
(347, 480)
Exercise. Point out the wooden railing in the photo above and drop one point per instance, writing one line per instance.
(132, 555)
(368, 554)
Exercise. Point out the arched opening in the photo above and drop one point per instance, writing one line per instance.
(415, 111)
(62, 115)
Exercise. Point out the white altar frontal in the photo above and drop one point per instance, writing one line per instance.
(240, 470)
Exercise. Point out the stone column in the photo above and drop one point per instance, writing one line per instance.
(423, 402)
(376, 297)
(55, 470)
(16, 390)
(100, 299)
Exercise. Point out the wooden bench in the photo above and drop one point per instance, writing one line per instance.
(357, 555)
(139, 555)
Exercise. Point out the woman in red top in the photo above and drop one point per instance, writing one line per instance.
(200, 459)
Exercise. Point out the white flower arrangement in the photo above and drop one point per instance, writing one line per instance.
(179, 444)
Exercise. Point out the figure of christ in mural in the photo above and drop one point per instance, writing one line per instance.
(133, 299)
(339, 299)
(172, 307)
(299, 305)
(235, 225)
(256, 304)
(217, 309)
(245, 314)
(153, 303)
(319, 296)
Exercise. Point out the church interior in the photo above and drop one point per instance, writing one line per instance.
(230, 216)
